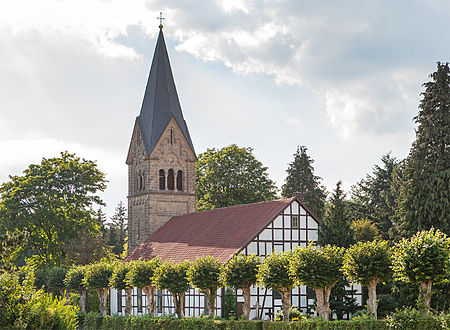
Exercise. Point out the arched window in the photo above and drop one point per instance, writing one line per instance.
(180, 180)
(162, 180)
(141, 182)
(170, 180)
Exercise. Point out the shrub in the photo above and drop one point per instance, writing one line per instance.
(412, 319)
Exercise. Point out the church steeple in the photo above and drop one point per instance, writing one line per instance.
(160, 102)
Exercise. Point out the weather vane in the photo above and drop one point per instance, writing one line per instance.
(160, 20)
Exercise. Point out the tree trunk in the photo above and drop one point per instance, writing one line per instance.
(129, 302)
(211, 301)
(323, 302)
(83, 298)
(372, 299)
(150, 294)
(246, 307)
(103, 296)
(425, 291)
(285, 302)
(178, 299)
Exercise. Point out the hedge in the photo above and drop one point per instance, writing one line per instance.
(94, 321)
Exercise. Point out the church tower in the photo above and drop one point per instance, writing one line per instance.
(161, 158)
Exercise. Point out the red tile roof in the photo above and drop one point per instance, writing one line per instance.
(220, 233)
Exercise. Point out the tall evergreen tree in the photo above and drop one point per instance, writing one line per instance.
(425, 192)
(119, 229)
(372, 197)
(301, 180)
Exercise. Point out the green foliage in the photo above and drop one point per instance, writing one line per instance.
(241, 271)
(301, 180)
(230, 307)
(423, 257)
(53, 202)
(294, 315)
(98, 275)
(364, 230)
(335, 226)
(93, 320)
(117, 280)
(55, 278)
(274, 271)
(204, 273)
(172, 277)
(317, 267)
(368, 261)
(342, 300)
(23, 307)
(117, 231)
(141, 272)
(74, 278)
(231, 176)
(424, 196)
(12, 245)
(373, 197)
(412, 319)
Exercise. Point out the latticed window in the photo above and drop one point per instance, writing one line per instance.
(170, 180)
(180, 180)
(162, 180)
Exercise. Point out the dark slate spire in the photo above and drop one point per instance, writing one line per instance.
(160, 102)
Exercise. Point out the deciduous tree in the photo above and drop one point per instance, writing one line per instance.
(118, 282)
(231, 176)
(98, 276)
(74, 281)
(240, 272)
(319, 269)
(368, 263)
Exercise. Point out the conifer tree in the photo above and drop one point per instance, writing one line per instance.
(301, 180)
(118, 229)
(424, 195)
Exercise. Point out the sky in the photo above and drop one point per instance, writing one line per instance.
(342, 78)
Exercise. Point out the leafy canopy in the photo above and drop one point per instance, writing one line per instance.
(74, 278)
(172, 277)
(55, 277)
(274, 271)
(117, 280)
(141, 272)
(241, 271)
(231, 176)
(317, 267)
(98, 275)
(423, 257)
(53, 201)
(368, 261)
(204, 273)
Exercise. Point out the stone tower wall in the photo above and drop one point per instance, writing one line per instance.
(150, 208)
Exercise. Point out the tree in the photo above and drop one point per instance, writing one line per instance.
(141, 275)
(119, 224)
(368, 263)
(231, 176)
(74, 281)
(319, 269)
(274, 274)
(424, 259)
(173, 277)
(240, 272)
(11, 248)
(55, 279)
(118, 282)
(98, 277)
(424, 195)
(373, 197)
(204, 274)
(335, 226)
(364, 230)
(53, 201)
(301, 180)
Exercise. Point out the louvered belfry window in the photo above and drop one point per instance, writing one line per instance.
(162, 180)
(170, 180)
(180, 180)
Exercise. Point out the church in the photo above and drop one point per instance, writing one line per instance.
(162, 221)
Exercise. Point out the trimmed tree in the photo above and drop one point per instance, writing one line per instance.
(141, 275)
(204, 274)
(368, 263)
(55, 279)
(173, 277)
(274, 274)
(74, 281)
(319, 269)
(240, 272)
(424, 259)
(301, 180)
(118, 282)
(97, 277)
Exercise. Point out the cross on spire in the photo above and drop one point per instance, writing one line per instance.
(160, 20)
